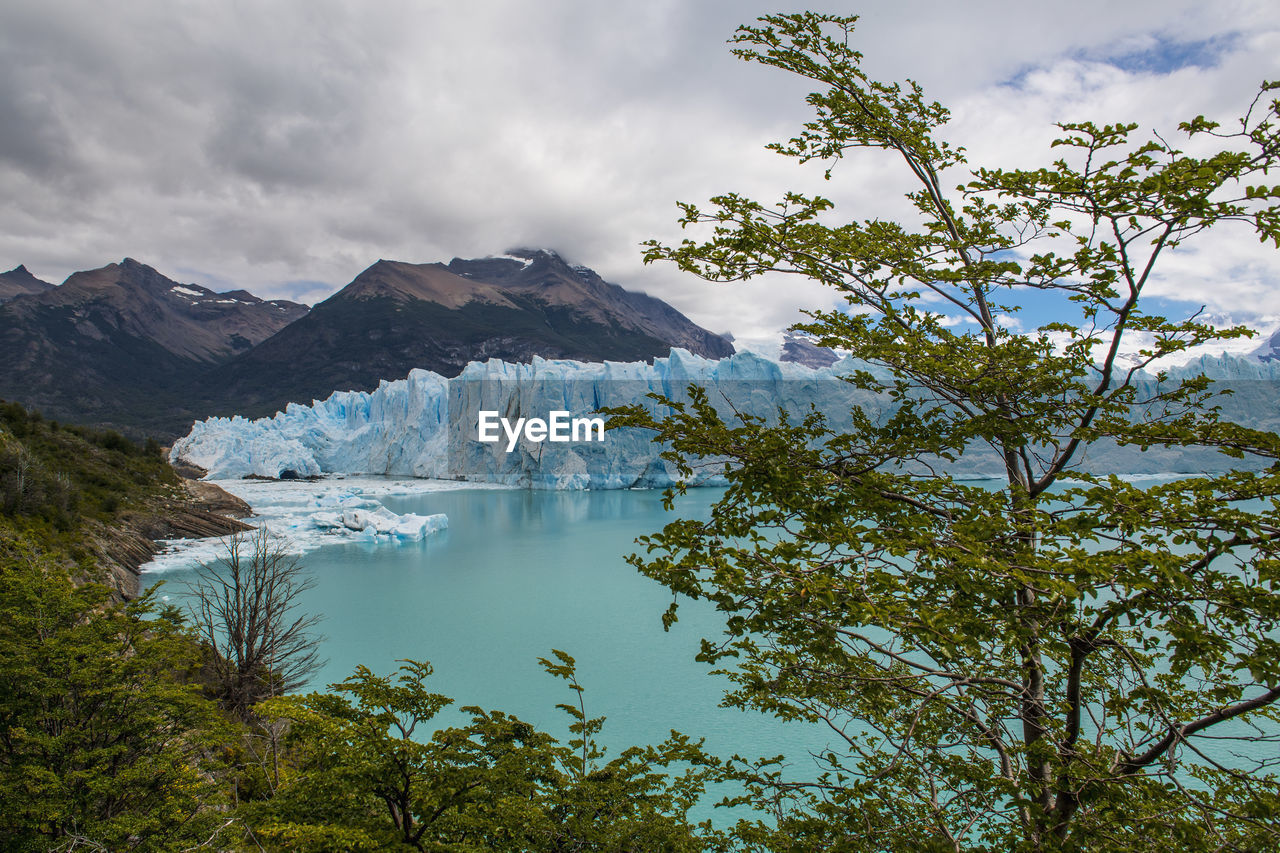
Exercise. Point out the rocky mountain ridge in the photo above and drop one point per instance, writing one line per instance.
(128, 348)
(801, 350)
(120, 345)
(19, 282)
(188, 320)
(395, 317)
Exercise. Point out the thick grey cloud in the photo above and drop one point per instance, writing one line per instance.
(283, 147)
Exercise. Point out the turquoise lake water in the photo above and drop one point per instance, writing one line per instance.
(517, 574)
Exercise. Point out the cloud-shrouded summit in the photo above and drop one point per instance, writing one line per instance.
(277, 148)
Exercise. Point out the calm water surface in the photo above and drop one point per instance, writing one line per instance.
(517, 574)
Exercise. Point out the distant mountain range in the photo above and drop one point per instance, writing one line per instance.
(19, 282)
(125, 347)
(396, 316)
(802, 350)
(1270, 349)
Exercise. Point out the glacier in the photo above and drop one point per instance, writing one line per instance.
(424, 426)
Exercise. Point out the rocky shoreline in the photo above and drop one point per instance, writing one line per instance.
(201, 510)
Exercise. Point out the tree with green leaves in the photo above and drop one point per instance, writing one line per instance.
(105, 740)
(1057, 660)
(366, 773)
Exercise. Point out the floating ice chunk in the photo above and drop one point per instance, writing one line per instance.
(380, 522)
(309, 515)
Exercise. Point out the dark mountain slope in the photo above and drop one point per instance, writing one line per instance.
(396, 316)
(127, 348)
(120, 346)
(20, 282)
(802, 350)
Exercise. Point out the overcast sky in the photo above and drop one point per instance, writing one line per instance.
(285, 146)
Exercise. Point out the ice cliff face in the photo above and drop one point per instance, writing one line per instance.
(426, 425)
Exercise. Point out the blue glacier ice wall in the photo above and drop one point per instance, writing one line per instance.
(426, 425)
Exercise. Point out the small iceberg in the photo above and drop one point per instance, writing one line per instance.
(380, 522)
(311, 514)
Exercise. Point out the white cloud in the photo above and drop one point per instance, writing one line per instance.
(1011, 323)
(275, 147)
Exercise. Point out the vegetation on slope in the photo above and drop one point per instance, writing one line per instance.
(120, 729)
(61, 476)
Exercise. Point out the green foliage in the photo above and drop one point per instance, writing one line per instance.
(1051, 662)
(107, 739)
(104, 743)
(364, 775)
(58, 476)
